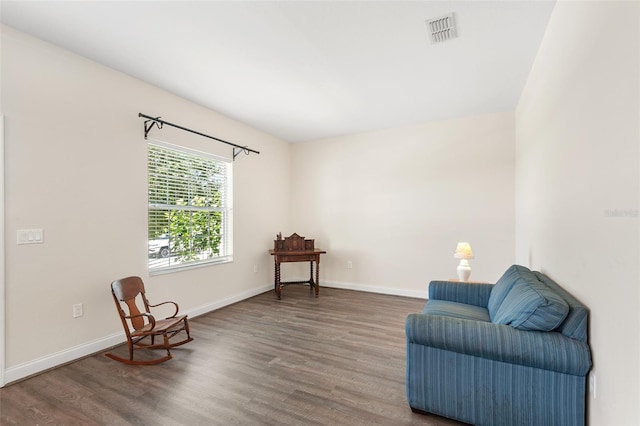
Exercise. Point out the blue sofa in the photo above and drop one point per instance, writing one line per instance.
(510, 353)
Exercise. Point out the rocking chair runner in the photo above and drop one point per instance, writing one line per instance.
(141, 325)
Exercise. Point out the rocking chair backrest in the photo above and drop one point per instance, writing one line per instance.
(127, 290)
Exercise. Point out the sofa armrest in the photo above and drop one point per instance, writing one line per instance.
(461, 292)
(539, 349)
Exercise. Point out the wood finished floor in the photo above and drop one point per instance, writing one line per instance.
(335, 360)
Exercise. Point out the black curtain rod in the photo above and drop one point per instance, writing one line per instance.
(237, 149)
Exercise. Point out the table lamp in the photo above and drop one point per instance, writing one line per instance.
(463, 252)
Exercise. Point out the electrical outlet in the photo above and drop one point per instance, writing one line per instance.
(77, 310)
(255, 269)
(349, 264)
(592, 385)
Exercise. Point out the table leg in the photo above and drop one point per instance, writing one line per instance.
(278, 285)
(318, 277)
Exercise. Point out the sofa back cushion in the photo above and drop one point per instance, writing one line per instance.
(576, 323)
(504, 284)
(531, 305)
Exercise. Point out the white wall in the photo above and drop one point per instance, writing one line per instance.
(76, 167)
(577, 185)
(396, 202)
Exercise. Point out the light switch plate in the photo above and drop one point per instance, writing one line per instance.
(30, 236)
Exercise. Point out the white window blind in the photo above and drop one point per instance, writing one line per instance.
(190, 208)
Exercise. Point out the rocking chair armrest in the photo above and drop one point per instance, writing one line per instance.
(164, 303)
(152, 319)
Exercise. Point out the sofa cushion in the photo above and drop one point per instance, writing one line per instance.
(456, 310)
(504, 284)
(531, 305)
(575, 325)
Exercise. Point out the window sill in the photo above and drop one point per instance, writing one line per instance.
(189, 266)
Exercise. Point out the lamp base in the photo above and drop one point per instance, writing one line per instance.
(464, 270)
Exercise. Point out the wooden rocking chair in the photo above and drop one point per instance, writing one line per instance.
(141, 325)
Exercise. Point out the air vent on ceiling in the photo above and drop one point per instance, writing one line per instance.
(442, 29)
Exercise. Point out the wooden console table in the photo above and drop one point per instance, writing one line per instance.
(296, 249)
(297, 256)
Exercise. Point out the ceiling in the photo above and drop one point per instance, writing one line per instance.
(306, 70)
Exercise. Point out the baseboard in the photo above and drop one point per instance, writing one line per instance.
(209, 307)
(392, 291)
(30, 368)
(47, 362)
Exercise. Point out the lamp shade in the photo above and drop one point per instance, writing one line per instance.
(463, 251)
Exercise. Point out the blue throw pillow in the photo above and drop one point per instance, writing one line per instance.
(503, 285)
(575, 324)
(531, 305)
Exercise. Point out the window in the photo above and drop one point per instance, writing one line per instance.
(190, 208)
